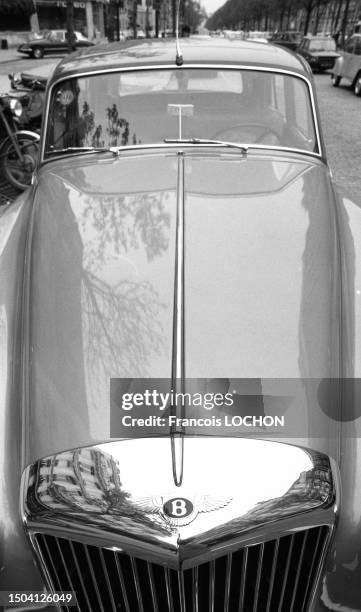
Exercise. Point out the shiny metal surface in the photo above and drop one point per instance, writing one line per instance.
(178, 356)
(235, 582)
(102, 494)
(17, 570)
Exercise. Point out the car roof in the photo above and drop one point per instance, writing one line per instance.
(162, 52)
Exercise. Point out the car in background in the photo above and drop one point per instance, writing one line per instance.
(319, 51)
(181, 219)
(289, 39)
(348, 65)
(233, 34)
(53, 41)
(256, 36)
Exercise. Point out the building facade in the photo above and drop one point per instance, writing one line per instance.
(89, 16)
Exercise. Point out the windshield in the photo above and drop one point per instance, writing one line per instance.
(323, 45)
(150, 106)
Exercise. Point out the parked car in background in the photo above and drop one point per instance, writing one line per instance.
(54, 41)
(234, 34)
(182, 221)
(320, 52)
(289, 39)
(256, 36)
(348, 65)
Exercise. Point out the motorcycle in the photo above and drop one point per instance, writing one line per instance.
(30, 90)
(20, 122)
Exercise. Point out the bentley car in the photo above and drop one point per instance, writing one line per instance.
(181, 237)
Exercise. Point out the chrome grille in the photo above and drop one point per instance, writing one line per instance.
(274, 576)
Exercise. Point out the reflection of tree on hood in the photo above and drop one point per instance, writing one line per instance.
(122, 320)
(118, 320)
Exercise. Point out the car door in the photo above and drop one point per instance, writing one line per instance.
(355, 64)
(347, 58)
(54, 42)
(62, 44)
(80, 40)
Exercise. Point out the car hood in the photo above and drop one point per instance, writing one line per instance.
(260, 284)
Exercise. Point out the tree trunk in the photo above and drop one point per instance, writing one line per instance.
(315, 26)
(288, 17)
(281, 18)
(344, 22)
(134, 16)
(174, 15)
(70, 25)
(335, 25)
(309, 10)
(117, 19)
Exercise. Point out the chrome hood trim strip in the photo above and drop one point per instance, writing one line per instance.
(178, 362)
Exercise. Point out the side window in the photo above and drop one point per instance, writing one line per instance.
(349, 46)
(357, 49)
(302, 117)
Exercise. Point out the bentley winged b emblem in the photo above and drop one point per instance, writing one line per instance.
(180, 511)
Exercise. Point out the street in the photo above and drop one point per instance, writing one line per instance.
(340, 117)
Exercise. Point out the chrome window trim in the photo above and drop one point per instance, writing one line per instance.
(320, 154)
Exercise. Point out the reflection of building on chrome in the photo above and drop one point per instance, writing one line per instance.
(86, 478)
(313, 489)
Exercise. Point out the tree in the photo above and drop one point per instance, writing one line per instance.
(193, 14)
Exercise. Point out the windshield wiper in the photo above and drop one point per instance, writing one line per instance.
(205, 141)
(79, 150)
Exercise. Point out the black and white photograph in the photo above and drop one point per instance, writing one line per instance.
(180, 305)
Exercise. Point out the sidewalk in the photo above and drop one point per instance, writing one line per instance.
(8, 55)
